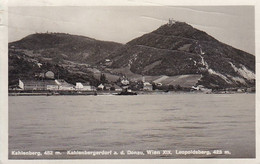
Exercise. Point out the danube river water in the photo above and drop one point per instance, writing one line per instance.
(185, 124)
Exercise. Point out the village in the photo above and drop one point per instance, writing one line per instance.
(46, 84)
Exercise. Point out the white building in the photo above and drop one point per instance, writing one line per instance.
(52, 87)
(117, 88)
(78, 86)
(21, 85)
(63, 85)
(101, 86)
(84, 87)
(202, 88)
(125, 82)
(147, 86)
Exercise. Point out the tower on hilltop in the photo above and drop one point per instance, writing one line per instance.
(171, 21)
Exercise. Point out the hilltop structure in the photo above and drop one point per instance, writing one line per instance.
(171, 21)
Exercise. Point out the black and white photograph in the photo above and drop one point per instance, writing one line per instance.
(131, 82)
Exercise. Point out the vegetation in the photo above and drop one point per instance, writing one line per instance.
(103, 79)
(169, 50)
(24, 67)
(175, 50)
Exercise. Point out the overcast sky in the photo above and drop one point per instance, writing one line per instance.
(231, 25)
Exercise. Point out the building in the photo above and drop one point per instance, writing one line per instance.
(63, 85)
(124, 82)
(17, 86)
(117, 88)
(201, 88)
(147, 86)
(158, 84)
(51, 85)
(38, 85)
(34, 85)
(240, 90)
(101, 87)
(171, 22)
(21, 84)
(79, 86)
(107, 86)
(84, 87)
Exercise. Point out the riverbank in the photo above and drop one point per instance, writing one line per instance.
(95, 93)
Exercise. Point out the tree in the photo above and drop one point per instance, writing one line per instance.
(171, 87)
(103, 78)
(154, 86)
(178, 87)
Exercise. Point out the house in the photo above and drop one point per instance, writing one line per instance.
(240, 90)
(63, 85)
(17, 86)
(158, 84)
(101, 87)
(51, 85)
(79, 86)
(124, 82)
(147, 86)
(117, 88)
(84, 87)
(88, 87)
(107, 86)
(201, 88)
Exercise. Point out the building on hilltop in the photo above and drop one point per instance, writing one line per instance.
(171, 21)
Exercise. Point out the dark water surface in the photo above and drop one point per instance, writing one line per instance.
(173, 122)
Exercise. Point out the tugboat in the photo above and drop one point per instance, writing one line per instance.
(127, 92)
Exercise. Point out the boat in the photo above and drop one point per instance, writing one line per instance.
(127, 92)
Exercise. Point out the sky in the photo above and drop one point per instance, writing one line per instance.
(233, 25)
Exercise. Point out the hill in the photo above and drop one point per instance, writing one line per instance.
(21, 66)
(66, 47)
(174, 54)
(179, 49)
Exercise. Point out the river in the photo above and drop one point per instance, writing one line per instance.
(223, 124)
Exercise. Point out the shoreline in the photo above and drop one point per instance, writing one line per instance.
(98, 93)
